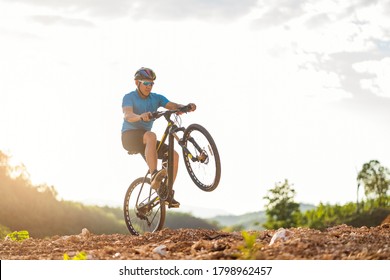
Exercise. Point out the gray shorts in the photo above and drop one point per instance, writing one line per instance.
(133, 142)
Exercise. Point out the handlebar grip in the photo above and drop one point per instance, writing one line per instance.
(154, 115)
(185, 109)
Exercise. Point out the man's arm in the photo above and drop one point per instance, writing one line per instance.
(130, 116)
(174, 106)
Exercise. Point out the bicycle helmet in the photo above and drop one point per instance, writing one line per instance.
(144, 73)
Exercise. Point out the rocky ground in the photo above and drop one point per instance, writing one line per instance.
(336, 243)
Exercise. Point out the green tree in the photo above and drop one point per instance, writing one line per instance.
(376, 181)
(281, 210)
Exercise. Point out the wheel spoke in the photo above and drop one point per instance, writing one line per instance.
(142, 208)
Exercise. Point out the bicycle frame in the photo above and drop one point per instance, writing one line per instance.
(170, 133)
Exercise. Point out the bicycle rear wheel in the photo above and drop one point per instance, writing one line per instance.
(201, 157)
(142, 208)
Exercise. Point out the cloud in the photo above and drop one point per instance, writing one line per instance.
(315, 13)
(200, 9)
(55, 20)
(365, 76)
(379, 80)
(275, 13)
(5, 32)
(318, 20)
(347, 39)
(342, 64)
(101, 8)
(361, 72)
(152, 9)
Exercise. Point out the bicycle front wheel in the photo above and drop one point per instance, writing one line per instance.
(142, 208)
(201, 157)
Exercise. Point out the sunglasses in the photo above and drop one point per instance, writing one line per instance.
(145, 83)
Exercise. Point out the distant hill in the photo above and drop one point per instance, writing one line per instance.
(176, 220)
(303, 207)
(249, 221)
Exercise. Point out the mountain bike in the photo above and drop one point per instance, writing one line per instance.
(145, 208)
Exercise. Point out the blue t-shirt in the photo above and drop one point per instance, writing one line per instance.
(140, 105)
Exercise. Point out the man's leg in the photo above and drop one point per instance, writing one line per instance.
(173, 202)
(175, 165)
(150, 141)
(163, 153)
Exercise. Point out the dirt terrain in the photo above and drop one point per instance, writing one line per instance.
(336, 243)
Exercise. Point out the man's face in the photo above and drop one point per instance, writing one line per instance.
(145, 85)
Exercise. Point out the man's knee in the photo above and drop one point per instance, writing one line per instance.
(150, 137)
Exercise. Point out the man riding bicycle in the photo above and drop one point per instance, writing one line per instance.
(137, 136)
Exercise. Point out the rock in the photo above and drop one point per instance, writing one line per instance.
(281, 235)
(85, 233)
(161, 250)
(200, 245)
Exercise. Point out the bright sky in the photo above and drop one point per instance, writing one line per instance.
(296, 90)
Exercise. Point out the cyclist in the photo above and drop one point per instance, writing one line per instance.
(137, 136)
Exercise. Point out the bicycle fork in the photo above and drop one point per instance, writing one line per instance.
(202, 154)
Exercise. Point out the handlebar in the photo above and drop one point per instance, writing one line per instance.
(168, 113)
